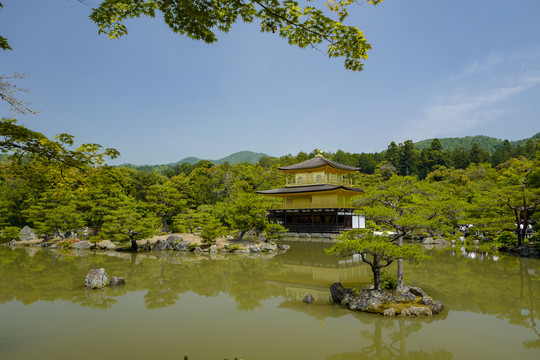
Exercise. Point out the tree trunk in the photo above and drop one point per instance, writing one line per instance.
(164, 223)
(241, 235)
(134, 245)
(399, 280)
(376, 268)
(95, 229)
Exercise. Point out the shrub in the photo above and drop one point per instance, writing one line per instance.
(507, 239)
(274, 231)
(211, 230)
(370, 224)
(388, 281)
(235, 247)
(66, 244)
(8, 233)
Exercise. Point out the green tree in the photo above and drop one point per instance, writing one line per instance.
(478, 155)
(377, 251)
(247, 211)
(21, 142)
(127, 223)
(211, 229)
(165, 201)
(55, 213)
(404, 205)
(520, 195)
(199, 19)
(408, 158)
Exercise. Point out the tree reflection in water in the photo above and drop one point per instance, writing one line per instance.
(506, 287)
(50, 275)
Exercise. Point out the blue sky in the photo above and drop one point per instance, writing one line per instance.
(437, 69)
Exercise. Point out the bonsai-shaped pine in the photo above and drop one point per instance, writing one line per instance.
(211, 229)
(376, 251)
(274, 232)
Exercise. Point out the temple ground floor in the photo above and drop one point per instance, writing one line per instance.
(331, 221)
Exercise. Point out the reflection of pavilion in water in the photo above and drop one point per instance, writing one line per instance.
(314, 276)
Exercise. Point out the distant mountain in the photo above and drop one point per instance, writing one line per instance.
(485, 142)
(190, 160)
(237, 157)
(241, 156)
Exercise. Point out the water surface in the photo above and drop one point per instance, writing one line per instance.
(177, 304)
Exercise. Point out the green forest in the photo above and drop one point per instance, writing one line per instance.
(55, 189)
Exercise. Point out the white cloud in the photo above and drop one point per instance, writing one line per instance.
(481, 94)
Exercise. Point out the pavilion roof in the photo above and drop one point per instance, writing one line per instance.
(308, 188)
(316, 162)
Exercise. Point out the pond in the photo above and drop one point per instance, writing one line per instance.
(179, 304)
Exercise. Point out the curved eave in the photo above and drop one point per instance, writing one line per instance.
(306, 190)
(318, 162)
(325, 168)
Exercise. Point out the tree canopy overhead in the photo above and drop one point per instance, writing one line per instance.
(301, 25)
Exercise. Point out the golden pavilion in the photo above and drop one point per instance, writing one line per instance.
(316, 198)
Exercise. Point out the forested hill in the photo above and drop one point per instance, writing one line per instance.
(237, 157)
(486, 143)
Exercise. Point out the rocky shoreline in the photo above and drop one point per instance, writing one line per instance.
(171, 242)
(411, 301)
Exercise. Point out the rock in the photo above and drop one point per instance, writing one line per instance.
(416, 291)
(26, 234)
(407, 295)
(428, 240)
(371, 299)
(416, 311)
(239, 251)
(308, 299)
(254, 249)
(115, 281)
(182, 246)
(173, 239)
(110, 246)
(96, 279)
(441, 242)
(283, 247)
(338, 292)
(426, 300)
(160, 245)
(197, 249)
(82, 245)
(462, 239)
(268, 247)
(12, 242)
(347, 299)
(437, 307)
(389, 312)
(213, 249)
(524, 251)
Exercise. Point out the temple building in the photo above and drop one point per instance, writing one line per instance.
(316, 198)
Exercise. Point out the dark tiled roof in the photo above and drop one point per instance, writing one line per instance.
(303, 189)
(316, 162)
